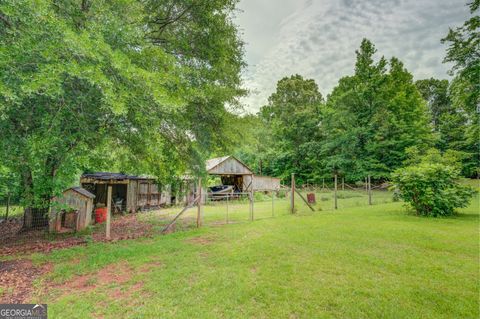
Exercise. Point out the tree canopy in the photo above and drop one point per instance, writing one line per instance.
(89, 84)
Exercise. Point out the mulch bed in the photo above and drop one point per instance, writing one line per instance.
(14, 241)
(17, 279)
(17, 276)
(9, 228)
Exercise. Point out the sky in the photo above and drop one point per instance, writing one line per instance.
(318, 38)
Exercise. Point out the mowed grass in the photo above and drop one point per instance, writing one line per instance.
(366, 262)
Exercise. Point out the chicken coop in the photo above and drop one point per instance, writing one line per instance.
(72, 210)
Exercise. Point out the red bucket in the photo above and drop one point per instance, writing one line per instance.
(101, 215)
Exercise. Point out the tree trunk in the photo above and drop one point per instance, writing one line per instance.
(34, 217)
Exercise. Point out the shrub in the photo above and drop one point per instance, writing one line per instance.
(432, 189)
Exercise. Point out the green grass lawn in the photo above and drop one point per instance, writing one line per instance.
(366, 262)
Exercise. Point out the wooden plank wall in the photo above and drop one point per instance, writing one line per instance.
(262, 183)
(230, 166)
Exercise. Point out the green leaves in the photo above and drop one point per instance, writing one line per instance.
(432, 189)
(373, 116)
(463, 51)
(79, 79)
(293, 116)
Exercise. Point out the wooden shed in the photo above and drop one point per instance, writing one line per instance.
(129, 193)
(234, 172)
(72, 211)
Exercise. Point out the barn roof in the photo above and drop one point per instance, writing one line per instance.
(211, 163)
(111, 176)
(82, 191)
(215, 163)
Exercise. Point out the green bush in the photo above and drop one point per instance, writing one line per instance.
(432, 189)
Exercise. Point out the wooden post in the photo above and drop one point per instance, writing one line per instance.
(343, 183)
(251, 199)
(369, 191)
(323, 184)
(335, 192)
(199, 203)
(366, 184)
(228, 198)
(306, 202)
(292, 196)
(8, 206)
(148, 194)
(273, 203)
(109, 211)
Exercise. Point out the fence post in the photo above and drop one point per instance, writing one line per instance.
(292, 196)
(109, 211)
(343, 183)
(228, 198)
(273, 200)
(251, 200)
(369, 191)
(335, 192)
(323, 184)
(199, 203)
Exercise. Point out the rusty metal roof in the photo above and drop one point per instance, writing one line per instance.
(111, 176)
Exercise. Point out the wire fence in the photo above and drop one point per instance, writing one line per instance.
(215, 210)
(237, 207)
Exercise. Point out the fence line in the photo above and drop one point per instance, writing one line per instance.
(220, 209)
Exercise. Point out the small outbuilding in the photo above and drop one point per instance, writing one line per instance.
(129, 193)
(72, 210)
(232, 172)
(235, 173)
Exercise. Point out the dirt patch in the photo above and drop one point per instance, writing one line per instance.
(17, 279)
(40, 245)
(126, 293)
(125, 227)
(111, 274)
(150, 266)
(200, 240)
(80, 284)
(10, 228)
(117, 273)
(24, 242)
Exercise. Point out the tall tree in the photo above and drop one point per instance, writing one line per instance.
(372, 117)
(448, 122)
(80, 77)
(464, 52)
(293, 115)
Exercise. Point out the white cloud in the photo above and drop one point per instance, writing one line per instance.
(318, 39)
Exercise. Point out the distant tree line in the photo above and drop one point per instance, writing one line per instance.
(373, 122)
